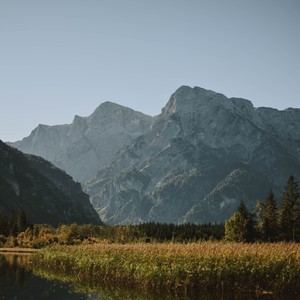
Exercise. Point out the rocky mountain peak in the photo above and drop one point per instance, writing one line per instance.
(238, 152)
(107, 107)
(192, 163)
(78, 120)
(110, 114)
(40, 129)
(111, 108)
(242, 105)
(86, 145)
(188, 100)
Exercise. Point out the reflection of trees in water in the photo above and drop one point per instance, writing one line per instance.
(16, 282)
(13, 269)
(103, 291)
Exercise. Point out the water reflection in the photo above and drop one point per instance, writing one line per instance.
(18, 281)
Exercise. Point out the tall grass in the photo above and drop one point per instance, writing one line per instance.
(203, 266)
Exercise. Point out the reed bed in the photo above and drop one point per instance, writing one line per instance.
(207, 266)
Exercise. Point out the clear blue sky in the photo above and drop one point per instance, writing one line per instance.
(59, 58)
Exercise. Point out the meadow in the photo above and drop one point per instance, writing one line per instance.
(261, 268)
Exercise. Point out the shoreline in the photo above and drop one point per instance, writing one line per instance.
(17, 250)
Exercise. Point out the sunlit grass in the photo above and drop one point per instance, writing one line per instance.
(204, 266)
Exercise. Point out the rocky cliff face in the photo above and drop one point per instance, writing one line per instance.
(86, 145)
(47, 194)
(201, 156)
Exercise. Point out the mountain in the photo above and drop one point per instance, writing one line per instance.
(45, 193)
(201, 156)
(86, 145)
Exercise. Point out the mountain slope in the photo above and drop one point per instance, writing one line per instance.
(201, 156)
(47, 194)
(86, 145)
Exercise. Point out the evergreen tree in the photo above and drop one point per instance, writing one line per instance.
(21, 221)
(289, 218)
(268, 219)
(12, 224)
(240, 226)
(3, 224)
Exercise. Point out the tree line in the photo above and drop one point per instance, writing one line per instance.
(42, 235)
(13, 223)
(270, 221)
(186, 232)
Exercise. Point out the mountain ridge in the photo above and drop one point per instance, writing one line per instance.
(46, 193)
(191, 163)
(206, 131)
(84, 146)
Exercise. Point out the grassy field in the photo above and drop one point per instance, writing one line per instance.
(260, 268)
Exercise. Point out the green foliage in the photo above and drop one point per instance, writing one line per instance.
(2, 240)
(162, 232)
(289, 217)
(268, 214)
(14, 223)
(39, 236)
(273, 223)
(235, 228)
(240, 227)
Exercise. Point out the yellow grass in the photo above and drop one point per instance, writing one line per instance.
(204, 266)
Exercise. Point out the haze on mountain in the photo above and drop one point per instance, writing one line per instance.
(202, 155)
(47, 194)
(85, 146)
(194, 162)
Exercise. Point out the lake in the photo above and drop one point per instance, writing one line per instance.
(18, 282)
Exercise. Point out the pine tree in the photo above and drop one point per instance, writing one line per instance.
(289, 218)
(268, 219)
(3, 224)
(12, 224)
(21, 221)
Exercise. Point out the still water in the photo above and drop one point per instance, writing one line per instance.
(18, 282)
